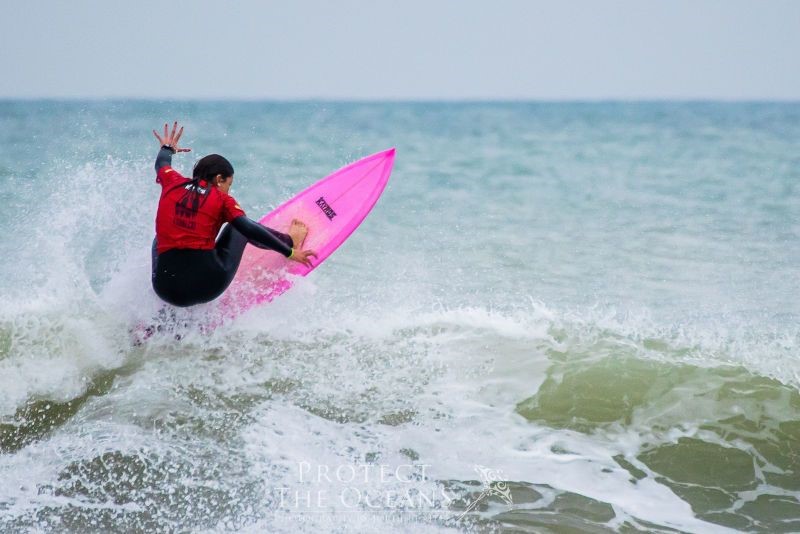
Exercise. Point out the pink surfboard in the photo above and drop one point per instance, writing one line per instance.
(331, 208)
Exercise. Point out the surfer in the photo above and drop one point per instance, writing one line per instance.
(191, 265)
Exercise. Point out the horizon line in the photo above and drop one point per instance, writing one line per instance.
(277, 100)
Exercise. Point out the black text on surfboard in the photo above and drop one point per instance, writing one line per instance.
(326, 209)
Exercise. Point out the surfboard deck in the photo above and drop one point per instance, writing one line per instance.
(332, 208)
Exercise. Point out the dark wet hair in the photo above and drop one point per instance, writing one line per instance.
(205, 170)
(209, 166)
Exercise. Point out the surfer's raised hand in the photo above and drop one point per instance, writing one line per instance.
(171, 139)
(303, 256)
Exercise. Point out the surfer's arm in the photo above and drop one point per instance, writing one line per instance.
(263, 237)
(164, 158)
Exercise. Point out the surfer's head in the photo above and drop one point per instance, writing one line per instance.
(214, 169)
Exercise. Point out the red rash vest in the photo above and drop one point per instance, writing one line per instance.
(177, 225)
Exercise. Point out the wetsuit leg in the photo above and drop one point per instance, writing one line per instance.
(230, 248)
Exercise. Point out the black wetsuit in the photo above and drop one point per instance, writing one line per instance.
(185, 277)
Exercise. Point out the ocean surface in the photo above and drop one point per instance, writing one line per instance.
(559, 317)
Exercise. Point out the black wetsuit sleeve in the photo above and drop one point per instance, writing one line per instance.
(263, 237)
(164, 158)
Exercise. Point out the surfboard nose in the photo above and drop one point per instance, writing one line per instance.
(388, 156)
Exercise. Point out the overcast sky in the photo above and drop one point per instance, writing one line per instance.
(404, 49)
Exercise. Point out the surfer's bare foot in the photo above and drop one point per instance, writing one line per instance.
(298, 231)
